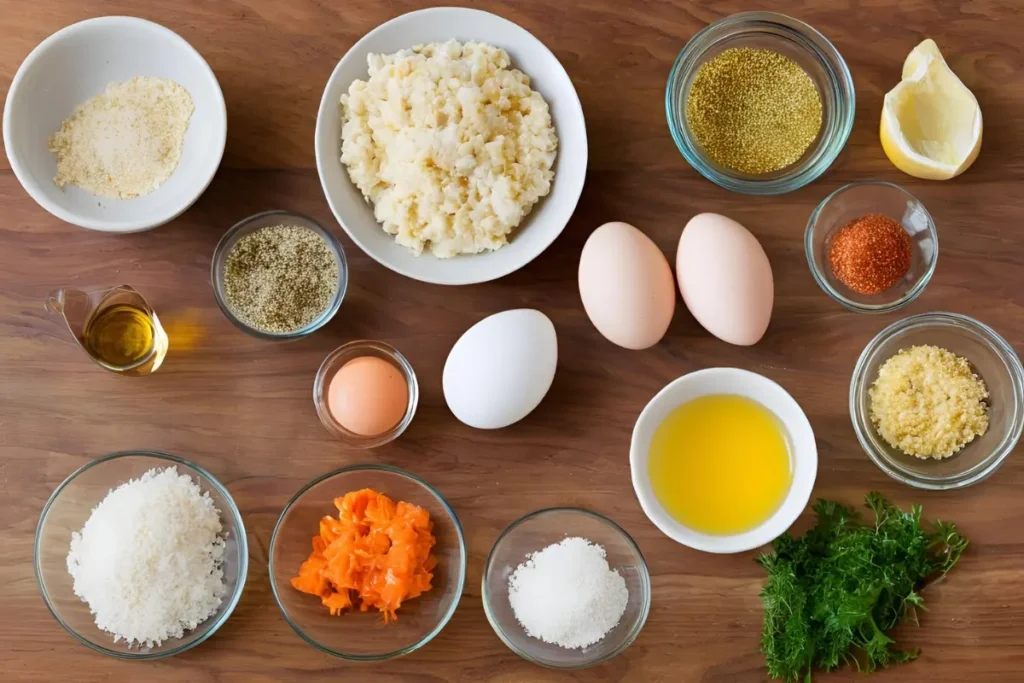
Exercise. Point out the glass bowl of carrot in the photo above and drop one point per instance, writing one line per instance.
(368, 562)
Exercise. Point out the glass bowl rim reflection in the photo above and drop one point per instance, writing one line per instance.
(220, 254)
(240, 538)
(822, 280)
(831, 63)
(321, 388)
(456, 596)
(859, 385)
(645, 581)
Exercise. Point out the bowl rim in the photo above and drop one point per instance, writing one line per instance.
(858, 383)
(800, 488)
(328, 313)
(645, 576)
(111, 226)
(456, 597)
(799, 175)
(572, 100)
(241, 540)
(320, 386)
(822, 281)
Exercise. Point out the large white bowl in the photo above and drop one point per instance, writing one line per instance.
(79, 62)
(803, 451)
(548, 217)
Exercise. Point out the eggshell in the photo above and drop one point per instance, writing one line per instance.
(725, 278)
(501, 368)
(626, 286)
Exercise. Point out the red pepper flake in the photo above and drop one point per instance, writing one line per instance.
(870, 254)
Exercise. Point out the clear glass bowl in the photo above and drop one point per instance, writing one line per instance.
(355, 635)
(67, 511)
(538, 530)
(794, 39)
(333, 363)
(853, 201)
(992, 359)
(262, 220)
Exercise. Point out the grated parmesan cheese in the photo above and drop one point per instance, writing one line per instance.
(148, 560)
(125, 142)
(928, 402)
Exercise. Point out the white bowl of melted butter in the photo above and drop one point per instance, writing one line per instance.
(723, 460)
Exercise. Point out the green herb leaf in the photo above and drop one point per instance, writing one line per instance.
(833, 594)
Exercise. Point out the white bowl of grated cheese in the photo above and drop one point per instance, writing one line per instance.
(81, 61)
(449, 263)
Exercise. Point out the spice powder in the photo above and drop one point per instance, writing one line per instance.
(753, 110)
(280, 278)
(870, 254)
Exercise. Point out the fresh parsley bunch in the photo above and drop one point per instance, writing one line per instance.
(833, 594)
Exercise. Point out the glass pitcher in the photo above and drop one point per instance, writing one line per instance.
(115, 326)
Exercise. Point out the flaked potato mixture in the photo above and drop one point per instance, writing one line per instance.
(450, 144)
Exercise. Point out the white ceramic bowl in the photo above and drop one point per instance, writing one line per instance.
(548, 217)
(803, 451)
(79, 62)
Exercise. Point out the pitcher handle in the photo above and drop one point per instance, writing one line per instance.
(55, 301)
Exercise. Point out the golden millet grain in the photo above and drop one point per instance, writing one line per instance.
(753, 110)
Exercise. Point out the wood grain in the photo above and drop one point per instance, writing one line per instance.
(242, 408)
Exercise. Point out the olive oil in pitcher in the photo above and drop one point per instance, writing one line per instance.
(120, 336)
(116, 327)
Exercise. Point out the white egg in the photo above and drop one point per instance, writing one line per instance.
(501, 368)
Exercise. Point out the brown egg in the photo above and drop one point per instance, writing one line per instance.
(368, 396)
(626, 286)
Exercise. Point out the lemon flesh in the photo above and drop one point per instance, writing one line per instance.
(931, 122)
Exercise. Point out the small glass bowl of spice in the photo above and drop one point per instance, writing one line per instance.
(760, 103)
(279, 275)
(872, 246)
(937, 400)
(366, 393)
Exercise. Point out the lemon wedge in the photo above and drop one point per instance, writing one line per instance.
(931, 122)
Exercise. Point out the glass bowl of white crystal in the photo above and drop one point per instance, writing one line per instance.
(566, 588)
(145, 544)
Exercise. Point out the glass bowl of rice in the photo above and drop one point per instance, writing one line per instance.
(535, 532)
(990, 357)
(812, 53)
(67, 511)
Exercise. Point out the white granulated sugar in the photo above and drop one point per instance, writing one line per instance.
(567, 595)
(148, 561)
(125, 142)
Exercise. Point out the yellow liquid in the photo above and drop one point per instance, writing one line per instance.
(120, 336)
(720, 464)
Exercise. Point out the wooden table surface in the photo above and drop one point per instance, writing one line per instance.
(242, 408)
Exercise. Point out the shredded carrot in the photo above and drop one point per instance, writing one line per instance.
(376, 550)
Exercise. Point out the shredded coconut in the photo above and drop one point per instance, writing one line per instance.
(567, 595)
(125, 142)
(148, 561)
